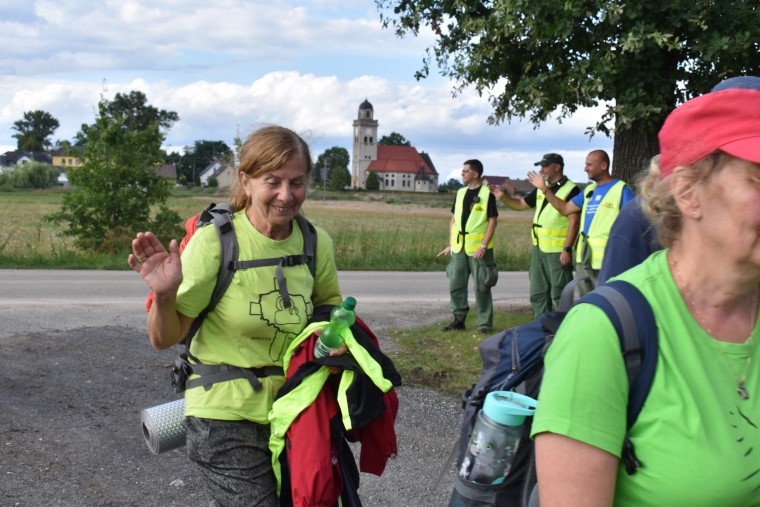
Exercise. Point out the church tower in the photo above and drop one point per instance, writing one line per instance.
(365, 144)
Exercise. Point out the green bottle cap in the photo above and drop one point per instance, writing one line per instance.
(349, 303)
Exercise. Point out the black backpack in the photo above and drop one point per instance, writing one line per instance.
(220, 216)
(513, 360)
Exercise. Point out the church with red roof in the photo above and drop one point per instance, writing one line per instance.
(397, 167)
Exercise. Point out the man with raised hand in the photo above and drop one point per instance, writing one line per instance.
(553, 234)
(599, 205)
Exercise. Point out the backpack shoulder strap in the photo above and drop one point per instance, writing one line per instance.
(633, 319)
(309, 233)
(567, 298)
(220, 216)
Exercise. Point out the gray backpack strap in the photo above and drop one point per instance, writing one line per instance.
(308, 257)
(309, 234)
(629, 336)
(211, 374)
(220, 215)
(567, 298)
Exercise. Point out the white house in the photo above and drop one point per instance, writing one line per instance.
(224, 174)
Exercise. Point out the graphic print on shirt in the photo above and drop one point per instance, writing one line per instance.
(593, 203)
(742, 427)
(287, 322)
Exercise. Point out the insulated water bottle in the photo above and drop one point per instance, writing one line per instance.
(341, 318)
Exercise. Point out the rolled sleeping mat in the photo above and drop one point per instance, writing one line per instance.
(164, 426)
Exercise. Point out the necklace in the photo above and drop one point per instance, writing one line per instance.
(751, 316)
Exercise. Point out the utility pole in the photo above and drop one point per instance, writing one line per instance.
(324, 179)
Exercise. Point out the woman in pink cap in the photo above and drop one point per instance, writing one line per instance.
(698, 435)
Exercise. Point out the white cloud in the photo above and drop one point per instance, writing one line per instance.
(228, 67)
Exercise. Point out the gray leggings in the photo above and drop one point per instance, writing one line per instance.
(235, 461)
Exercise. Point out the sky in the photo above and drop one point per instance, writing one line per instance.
(227, 67)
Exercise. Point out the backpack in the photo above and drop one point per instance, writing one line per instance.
(220, 216)
(513, 360)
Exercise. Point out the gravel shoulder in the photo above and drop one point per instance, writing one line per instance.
(71, 435)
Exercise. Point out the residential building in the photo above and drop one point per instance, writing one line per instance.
(522, 186)
(167, 171)
(66, 159)
(222, 172)
(11, 158)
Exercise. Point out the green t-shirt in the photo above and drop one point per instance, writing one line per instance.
(250, 327)
(697, 439)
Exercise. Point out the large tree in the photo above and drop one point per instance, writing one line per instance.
(544, 58)
(335, 161)
(134, 114)
(394, 139)
(34, 130)
(198, 156)
(117, 188)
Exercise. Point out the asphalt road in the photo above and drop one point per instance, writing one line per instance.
(69, 424)
(46, 300)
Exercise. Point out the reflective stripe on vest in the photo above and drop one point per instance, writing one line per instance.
(549, 225)
(477, 223)
(599, 230)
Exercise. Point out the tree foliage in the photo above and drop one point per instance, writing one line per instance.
(34, 130)
(372, 182)
(394, 139)
(544, 58)
(336, 161)
(197, 157)
(117, 186)
(453, 184)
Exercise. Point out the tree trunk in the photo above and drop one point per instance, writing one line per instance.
(633, 149)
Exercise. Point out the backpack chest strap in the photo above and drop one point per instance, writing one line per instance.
(279, 262)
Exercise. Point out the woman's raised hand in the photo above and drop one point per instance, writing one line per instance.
(161, 270)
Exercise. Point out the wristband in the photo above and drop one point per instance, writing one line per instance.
(484, 246)
(568, 249)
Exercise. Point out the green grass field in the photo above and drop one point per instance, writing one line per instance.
(392, 231)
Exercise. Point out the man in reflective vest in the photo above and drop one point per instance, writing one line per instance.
(471, 247)
(553, 235)
(599, 204)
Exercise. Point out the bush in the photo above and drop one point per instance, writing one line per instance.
(372, 183)
(34, 175)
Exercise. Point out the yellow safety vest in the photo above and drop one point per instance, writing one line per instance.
(599, 230)
(477, 223)
(549, 225)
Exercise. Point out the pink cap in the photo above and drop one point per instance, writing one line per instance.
(727, 120)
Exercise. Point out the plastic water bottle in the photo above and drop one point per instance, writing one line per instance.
(342, 317)
(495, 437)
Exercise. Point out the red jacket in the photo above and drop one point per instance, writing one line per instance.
(319, 462)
